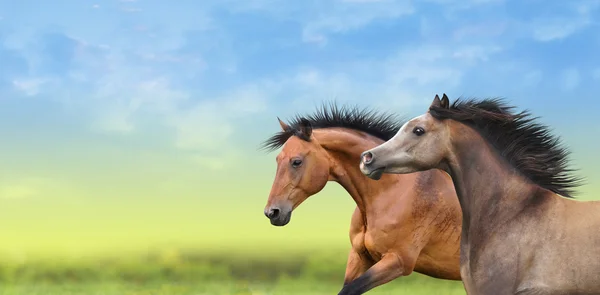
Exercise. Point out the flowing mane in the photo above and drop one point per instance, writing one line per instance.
(382, 125)
(526, 144)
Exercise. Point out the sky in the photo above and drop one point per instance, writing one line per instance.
(145, 115)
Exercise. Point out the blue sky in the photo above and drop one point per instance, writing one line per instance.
(202, 73)
(151, 112)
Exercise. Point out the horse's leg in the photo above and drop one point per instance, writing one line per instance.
(388, 268)
(357, 264)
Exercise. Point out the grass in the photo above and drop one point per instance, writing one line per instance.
(199, 273)
(285, 286)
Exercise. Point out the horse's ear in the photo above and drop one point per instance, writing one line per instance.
(284, 126)
(445, 102)
(305, 128)
(436, 102)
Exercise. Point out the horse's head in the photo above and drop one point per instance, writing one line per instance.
(302, 170)
(420, 144)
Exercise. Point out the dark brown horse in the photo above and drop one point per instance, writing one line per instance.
(519, 235)
(401, 223)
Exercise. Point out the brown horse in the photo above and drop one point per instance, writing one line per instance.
(519, 235)
(401, 223)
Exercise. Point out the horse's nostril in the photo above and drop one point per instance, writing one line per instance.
(272, 213)
(367, 157)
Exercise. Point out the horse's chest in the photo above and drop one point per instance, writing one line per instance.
(373, 245)
(488, 272)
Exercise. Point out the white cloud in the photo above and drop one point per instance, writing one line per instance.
(127, 83)
(203, 126)
(200, 133)
(210, 123)
(475, 53)
(435, 65)
(403, 80)
(350, 15)
(457, 5)
(596, 74)
(414, 75)
(320, 19)
(570, 79)
(119, 88)
(557, 28)
(576, 16)
(114, 120)
(586, 6)
(29, 87)
(532, 78)
(118, 100)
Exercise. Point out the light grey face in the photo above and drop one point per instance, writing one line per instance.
(421, 144)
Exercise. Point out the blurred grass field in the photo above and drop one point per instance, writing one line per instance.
(177, 272)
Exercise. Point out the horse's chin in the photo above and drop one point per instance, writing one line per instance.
(282, 221)
(376, 174)
(402, 170)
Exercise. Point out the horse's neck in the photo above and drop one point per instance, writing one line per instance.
(345, 148)
(490, 191)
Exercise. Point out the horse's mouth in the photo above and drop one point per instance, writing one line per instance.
(376, 173)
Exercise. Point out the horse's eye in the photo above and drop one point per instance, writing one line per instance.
(419, 131)
(296, 163)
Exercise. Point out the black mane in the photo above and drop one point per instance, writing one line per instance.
(382, 125)
(527, 145)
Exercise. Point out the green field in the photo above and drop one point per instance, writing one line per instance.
(290, 286)
(180, 272)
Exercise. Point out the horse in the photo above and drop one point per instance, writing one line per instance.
(523, 231)
(401, 224)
